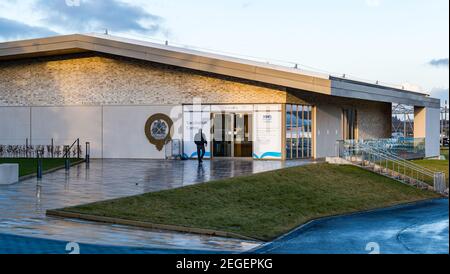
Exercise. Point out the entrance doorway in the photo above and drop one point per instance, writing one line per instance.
(232, 135)
(349, 124)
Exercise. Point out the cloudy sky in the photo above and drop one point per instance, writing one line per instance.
(401, 42)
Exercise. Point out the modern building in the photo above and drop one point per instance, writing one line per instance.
(130, 98)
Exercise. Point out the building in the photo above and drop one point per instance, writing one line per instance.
(129, 98)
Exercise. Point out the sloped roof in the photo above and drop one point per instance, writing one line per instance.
(210, 62)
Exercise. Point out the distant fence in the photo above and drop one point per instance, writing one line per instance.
(406, 148)
(50, 150)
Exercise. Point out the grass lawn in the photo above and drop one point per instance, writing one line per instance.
(28, 166)
(444, 151)
(435, 165)
(263, 205)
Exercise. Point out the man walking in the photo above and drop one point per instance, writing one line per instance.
(200, 141)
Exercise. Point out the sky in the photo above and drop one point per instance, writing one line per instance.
(403, 42)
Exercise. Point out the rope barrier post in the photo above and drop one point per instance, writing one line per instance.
(78, 148)
(88, 152)
(66, 156)
(39, 165)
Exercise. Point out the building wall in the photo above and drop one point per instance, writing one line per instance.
(112, 131)
(328, 130)
(65, 124)
(427, 125)
(102, 99)
(14, 125)
(374, 119)
(124, 135)
(87, 79)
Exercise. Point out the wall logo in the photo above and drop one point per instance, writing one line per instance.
(159, 130)
(267, 118)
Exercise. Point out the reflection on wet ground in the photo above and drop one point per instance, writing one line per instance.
(23, 205)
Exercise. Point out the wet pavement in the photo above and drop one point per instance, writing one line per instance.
(419, 228)
(23, 205)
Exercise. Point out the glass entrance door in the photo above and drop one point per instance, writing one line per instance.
(232, 135)
(243, 145)
(222, 134)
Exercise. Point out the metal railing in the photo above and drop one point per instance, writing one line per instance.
(24, 149)
(389, 164)
(42, 152)
(404, 147)
(68, 150)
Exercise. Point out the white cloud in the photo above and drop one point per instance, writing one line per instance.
(441, 93)
(414, 87)
(373, 3)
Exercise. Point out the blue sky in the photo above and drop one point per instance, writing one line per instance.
(403, 41)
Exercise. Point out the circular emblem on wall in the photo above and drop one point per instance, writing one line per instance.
(159, 129)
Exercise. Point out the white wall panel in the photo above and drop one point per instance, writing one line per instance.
(65, 124)
(124, 134)
(328, 130)
(267, 120)
(427, 125)
(14, 125)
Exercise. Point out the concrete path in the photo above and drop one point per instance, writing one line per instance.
(420, 228)
(23, 205)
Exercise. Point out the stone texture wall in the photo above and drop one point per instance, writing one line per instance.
(374, 120)
(98, 79)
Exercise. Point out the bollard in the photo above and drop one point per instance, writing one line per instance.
(87, 156)
(78, 148)
(39, 165)
(67, 163)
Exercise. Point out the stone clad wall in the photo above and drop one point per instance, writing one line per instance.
(97, 79)
(374, 120)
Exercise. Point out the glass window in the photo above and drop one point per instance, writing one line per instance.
(298, 131)
(288, 131)
(294, 131)
(309, 125)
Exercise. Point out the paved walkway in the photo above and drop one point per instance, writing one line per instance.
(23, 205)
(417, 228)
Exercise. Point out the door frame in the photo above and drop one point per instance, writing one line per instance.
(233, 114)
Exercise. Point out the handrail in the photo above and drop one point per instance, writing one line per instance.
(380, 158)
(365, 146)
(406, 162)
(391, 165)
(77, 141)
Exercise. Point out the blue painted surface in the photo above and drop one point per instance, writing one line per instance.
(420, 228)
(267, 155)
(13, 244)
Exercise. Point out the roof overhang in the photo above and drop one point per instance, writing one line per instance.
(365, 91)
(213, 63)
(180, 57)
